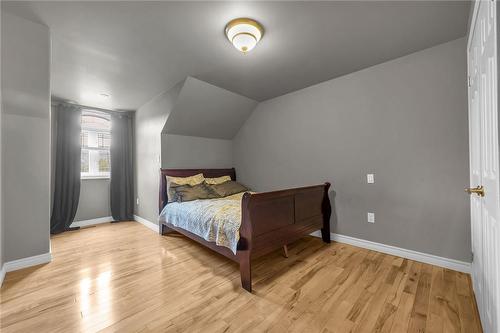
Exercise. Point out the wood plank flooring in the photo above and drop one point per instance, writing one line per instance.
(126, 278)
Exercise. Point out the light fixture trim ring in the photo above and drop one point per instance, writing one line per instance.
(244, 20)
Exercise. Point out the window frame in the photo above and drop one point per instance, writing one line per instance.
(94, 151)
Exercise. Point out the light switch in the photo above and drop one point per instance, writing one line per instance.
(370, 178)
(371, 217)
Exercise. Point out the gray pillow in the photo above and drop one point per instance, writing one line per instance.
(228, 188)
(183, 193)
(178, 181)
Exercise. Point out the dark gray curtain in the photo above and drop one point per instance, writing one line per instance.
(67, 168)
(122, 178)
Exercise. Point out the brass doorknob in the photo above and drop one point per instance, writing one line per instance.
(479, 190)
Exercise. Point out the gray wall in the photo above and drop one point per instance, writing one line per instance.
(163, 127)
(404, 120)
(189, 152)
(25, 137)
(94, 200)
(149, 121)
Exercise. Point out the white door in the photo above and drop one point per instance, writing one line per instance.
(484, 174)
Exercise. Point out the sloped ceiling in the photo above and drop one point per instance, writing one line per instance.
(135, 50)
(208, 111)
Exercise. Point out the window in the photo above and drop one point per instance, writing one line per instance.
(95, 140)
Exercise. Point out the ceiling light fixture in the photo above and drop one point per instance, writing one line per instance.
(244, 33)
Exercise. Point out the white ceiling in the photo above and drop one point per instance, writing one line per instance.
(136, 50)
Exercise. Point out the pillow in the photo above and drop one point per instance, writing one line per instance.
(185, 193)
(218, 180)
(228, 188)
(173, 182)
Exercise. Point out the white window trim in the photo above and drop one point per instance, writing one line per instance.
(83, 177)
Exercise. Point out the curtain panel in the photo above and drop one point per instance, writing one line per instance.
(67, 168)
(122, 177)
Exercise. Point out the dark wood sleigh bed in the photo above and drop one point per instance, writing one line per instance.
(269, 220)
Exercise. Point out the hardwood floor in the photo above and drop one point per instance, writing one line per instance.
(126, 278)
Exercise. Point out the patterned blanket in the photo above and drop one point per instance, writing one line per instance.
(215, 220)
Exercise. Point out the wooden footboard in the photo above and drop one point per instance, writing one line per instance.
(270, 220)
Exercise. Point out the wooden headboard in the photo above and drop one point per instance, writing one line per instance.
(208, 173)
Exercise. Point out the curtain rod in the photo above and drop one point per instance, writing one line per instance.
(60, 101)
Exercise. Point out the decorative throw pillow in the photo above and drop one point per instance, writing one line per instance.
(228, 188)
(218, 180)
(185, 193)
(173, 182)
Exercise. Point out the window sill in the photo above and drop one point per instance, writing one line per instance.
(94, 177)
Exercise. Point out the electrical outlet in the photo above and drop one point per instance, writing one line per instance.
(371, 217)
(137, 201)
(370, 178)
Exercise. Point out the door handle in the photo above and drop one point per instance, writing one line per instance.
(479, 190)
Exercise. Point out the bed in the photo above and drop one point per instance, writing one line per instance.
(269, 220)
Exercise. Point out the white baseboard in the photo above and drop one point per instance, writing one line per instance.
(146, 223)
(2, 274)
(14, 265)
(86, 223)
(453, 264)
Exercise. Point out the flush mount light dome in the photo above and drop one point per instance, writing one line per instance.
(244, 33)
